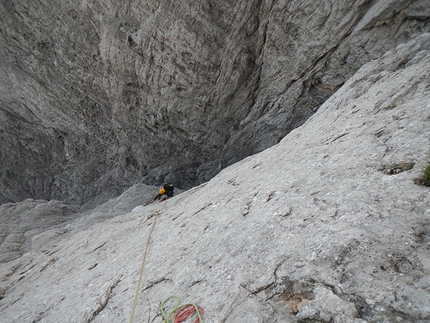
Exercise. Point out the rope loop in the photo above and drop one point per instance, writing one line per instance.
(181, 312)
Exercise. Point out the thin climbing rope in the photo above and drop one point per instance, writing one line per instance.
(181, 312)
(143, 265)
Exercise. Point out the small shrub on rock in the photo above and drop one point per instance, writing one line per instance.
(425, 179)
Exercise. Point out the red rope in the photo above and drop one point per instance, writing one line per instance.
(185, 312)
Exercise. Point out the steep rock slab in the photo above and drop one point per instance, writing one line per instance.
(20, 222)
(96, 96)
(314, 229)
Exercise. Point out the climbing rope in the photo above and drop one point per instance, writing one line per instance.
(143, 264)
(181, 312)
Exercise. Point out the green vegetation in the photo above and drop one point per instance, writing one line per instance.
(425, 179)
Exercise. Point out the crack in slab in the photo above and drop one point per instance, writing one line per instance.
(103, 302)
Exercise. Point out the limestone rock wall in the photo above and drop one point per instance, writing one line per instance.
(20, 222)
(328, 226)
(98, 95)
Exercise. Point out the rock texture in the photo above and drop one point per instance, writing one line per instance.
(98, 95)
(21, 222)
(329, 225)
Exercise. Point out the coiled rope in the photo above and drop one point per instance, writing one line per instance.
(181, 312)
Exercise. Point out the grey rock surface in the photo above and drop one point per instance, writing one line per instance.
(329, 225)
(22, 222)
(96, 96)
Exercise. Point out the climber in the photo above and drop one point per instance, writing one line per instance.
(164, 193)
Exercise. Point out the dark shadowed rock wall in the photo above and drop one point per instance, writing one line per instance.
(98, 95)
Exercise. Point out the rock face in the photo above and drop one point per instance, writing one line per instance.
(21, 222)
(329, 225)
(98, 95)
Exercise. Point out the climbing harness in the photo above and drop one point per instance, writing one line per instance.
(143, 264)
(181, 312)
